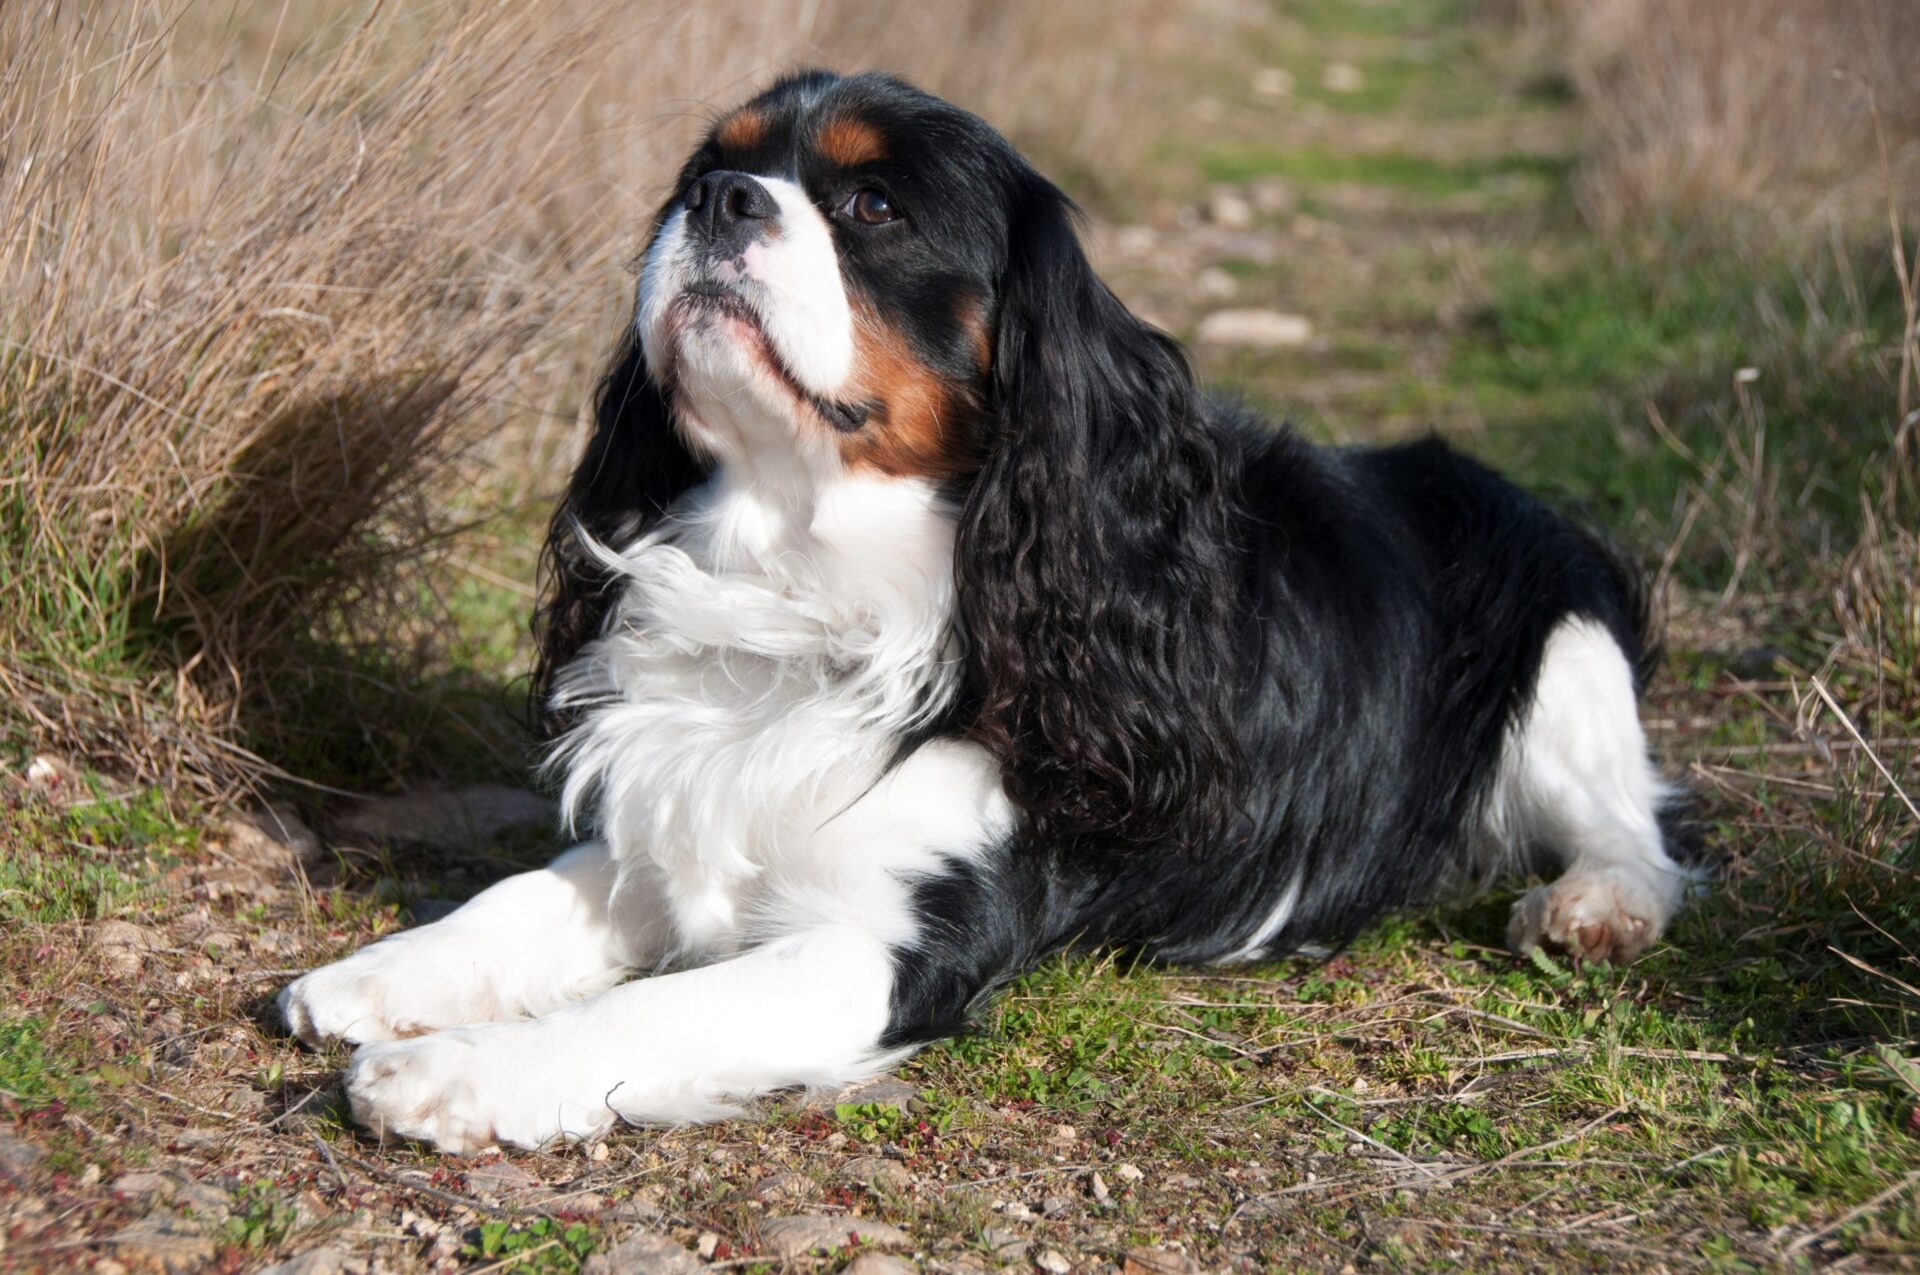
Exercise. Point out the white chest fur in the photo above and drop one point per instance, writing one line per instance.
(754, 680)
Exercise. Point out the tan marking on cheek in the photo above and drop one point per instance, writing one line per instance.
(743, 130)
(923, 425)
(851, 142)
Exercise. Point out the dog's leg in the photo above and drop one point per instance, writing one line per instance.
(1579, 789)
(523, 947)
(812, 1004)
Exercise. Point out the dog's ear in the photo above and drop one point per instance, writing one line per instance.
(634, 467)
(1097, 564)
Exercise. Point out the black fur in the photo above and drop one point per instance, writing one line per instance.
(1098, 562)
(1215, 663)
(1391, 607)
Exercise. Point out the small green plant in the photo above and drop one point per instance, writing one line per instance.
(262, 1217)
(540, 1247)
(870, 1121)
(29, 1075)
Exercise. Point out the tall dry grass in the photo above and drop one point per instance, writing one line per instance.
(276, 279)
(1693, 105)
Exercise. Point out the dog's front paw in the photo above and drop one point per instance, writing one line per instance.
(407, 985)
(1596, 916)
(474, 1087)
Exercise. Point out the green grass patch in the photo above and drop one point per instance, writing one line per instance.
(90, 860)
(1399, 170)
(32, 1074)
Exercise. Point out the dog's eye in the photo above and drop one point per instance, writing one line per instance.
(869, 207)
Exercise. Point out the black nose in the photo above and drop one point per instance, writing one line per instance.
(723, 203)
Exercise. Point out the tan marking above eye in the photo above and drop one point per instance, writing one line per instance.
(850, 142)
(743, 130)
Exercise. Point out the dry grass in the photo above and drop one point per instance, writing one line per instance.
(1762, 104)
(271, 275)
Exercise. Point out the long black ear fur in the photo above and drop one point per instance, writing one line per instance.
(1097, 565)
(633, 468)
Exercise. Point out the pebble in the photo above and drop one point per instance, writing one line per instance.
(1159, 1261)
(1128, 1173)
(1229, 208)
(879, 1264)
(1273, 84)
(171, 1244)
(122, 946)
(17, 1158)
(643, 1254)
(1053, 1261)
(499, 1178)
(1259, 329)
(1216, 284)
(326, 1260)
(1054, 1205)
(1005, 1245)
(876, 1171)
(884, 1091)
(1342, 77)
(1273, 196)
(796, 1236)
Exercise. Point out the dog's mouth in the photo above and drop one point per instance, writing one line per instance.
(713, 300)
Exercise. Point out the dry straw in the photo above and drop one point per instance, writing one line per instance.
(272, 276)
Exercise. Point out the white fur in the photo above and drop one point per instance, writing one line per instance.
(791, 279)
(805, 1005)
(773, 640)
(1576, 783)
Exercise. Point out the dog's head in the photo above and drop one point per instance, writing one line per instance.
(854, 276)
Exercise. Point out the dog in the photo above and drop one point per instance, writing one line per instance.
(911, 616)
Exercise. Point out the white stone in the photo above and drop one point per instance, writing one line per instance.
(1258, 329)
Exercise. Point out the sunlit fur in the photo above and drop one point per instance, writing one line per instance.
(911, 616)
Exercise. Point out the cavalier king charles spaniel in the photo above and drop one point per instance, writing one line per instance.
(911, 616)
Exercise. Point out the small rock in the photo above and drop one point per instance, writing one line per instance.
(876, 1172)
(325, 1260)
(1064, 1133)
(107, 1266)
(54, 778)
(643, 1254)
(1216, 284)
(1342, 77)
(1016, 1210)
(1159, 1261)
(791, 1237)
(885, 1091)
(1098, 1185)
(1273, 196)
(879, 1264)
(1259, 329)
(500, 1178)
(786, 1188)
(274, 836)
(707, 1245)
(17, 1158)
(204, 1200)
(642, 1206)
(599, 1152)
(140, 1185)
(1005, 1245)
(446, 818)
(1229, 208)
(1053, 1261)
(122, 946)
(1128, 1173)
(1055, 1205)
(174, 1245)
(1273, 84)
